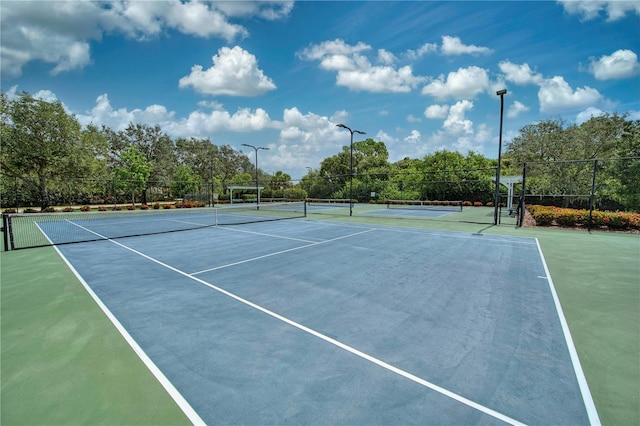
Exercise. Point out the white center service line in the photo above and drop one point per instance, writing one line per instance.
(313, 244)
(324, 337)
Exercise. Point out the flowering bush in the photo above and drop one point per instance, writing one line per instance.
(167, 206)
(102, 209)
(67, 209)
(477, 203)
(549, 215)
(156, 206)
(144, 207)
(131, 207)
(116, 208)
(85, 209)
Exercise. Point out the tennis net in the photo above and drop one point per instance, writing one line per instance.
(454, 206)
(27, 230)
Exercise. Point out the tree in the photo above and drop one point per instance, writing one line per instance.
(41, 143)
(186, 181)
(134, 171)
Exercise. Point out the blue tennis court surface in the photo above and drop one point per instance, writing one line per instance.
(312, 322)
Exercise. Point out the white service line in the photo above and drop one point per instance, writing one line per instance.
(328, 339)
(280, 252)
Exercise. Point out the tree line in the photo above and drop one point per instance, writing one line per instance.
(47, 158)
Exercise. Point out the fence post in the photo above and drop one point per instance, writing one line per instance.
(521, 203)
(593, 191)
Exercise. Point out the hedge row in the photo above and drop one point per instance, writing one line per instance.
(549, 215)
(85, 208)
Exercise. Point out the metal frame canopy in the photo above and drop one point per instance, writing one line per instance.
(253, 188)
(509, 181)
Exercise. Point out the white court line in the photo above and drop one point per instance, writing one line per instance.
(327, 339)
(315, 243)
(590, 406)
(263, 234)
(465, 236)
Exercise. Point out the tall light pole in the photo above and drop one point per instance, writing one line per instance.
(500, 93)
(351, 166)
(256, 148)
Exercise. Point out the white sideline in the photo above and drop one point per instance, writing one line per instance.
(590, 406)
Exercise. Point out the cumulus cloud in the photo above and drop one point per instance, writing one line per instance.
(464, 83)
(355, 71)
(422, 50)
(591, 9)
(555, 95)
(436, 111)
(61, 32)
(587, 114)
(519, 74)
(620, 64)
(454, 46)
(456, 123)
(118, 119)
(234, 72)
(516, 109)
(414, 137)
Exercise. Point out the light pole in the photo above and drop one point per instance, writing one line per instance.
(256, 148)
(351, 166)
(500, 93)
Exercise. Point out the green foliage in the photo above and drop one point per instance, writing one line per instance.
(186, 181)
(41, 144)
(134, 172)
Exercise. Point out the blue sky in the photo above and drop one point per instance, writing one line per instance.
(419, 76)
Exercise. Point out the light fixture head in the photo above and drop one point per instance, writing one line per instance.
(342, 125)
(501, 92)
(359, 131)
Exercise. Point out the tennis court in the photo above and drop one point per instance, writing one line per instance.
(307, 321)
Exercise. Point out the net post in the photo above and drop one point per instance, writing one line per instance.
(305, 208)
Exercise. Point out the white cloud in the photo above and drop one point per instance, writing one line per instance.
(331, 48)
(454, 46)
(118, 119)
(412, 119)
(422, 50)
(464, 83)
(587, 114)
(436, 111)
(414, 137)
(591, 9)
(234, 72)
(555, 95)
(60, 32)
(379, 79)
(516, 109)
(519, 74)
(620, 64)
(356, 72)
(456, 123)
(385, 57)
